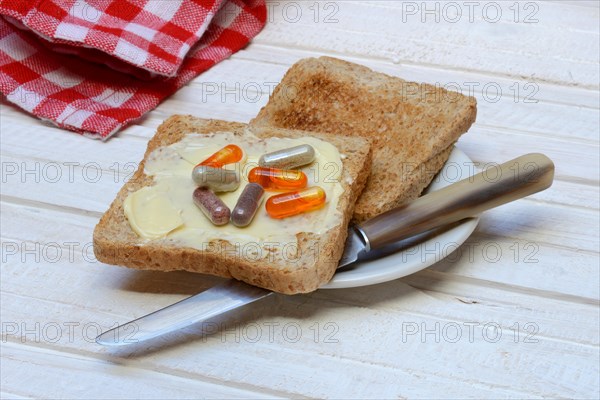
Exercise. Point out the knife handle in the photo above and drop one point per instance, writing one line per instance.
(525, 175)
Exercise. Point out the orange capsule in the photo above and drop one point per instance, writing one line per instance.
(287, 204)
(227, 155)
(274, 178)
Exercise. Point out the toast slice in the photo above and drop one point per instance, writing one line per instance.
(412, 126)
(116, 243)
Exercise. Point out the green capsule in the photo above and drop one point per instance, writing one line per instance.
(216, 179)
(290, 158)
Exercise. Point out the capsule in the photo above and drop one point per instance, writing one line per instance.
(291, 158)
(274, 178)
(227, 155)
(247, 205)
(287, 204)
(211, 206)
(216, 179)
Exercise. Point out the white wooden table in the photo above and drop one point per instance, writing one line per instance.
(513, 313)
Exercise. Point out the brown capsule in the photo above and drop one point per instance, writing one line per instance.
(247, 205)
(212, 206)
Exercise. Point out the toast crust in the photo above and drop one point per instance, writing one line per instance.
(412, 126)
(116, 243)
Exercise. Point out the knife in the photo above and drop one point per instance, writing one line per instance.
(510, 181)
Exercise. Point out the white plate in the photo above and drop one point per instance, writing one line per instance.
(417, 256)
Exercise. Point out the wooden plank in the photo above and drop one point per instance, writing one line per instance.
(557, 13)
(509, 145)
(578, 3)
(571, 194)
(235, 353)
(42, 367)
(11, 396)
(544, 52)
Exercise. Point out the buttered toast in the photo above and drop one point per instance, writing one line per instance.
(263, 261)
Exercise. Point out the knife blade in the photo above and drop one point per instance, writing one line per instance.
(520, 177)
(200, 307)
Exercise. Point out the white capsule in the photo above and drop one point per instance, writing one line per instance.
(216, 179)
(290, 158)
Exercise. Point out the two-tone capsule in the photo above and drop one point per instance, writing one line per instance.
(247, 205)
(293, 203)
(216, 179)
(211, 206)
(227, 155)
(275, 178)
(290, 158)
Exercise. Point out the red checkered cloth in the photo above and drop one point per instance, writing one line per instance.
(95, 66)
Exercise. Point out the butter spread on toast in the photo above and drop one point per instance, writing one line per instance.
(167, 209)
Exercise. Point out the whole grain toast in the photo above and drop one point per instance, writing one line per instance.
(412, 126)
(116, 243)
